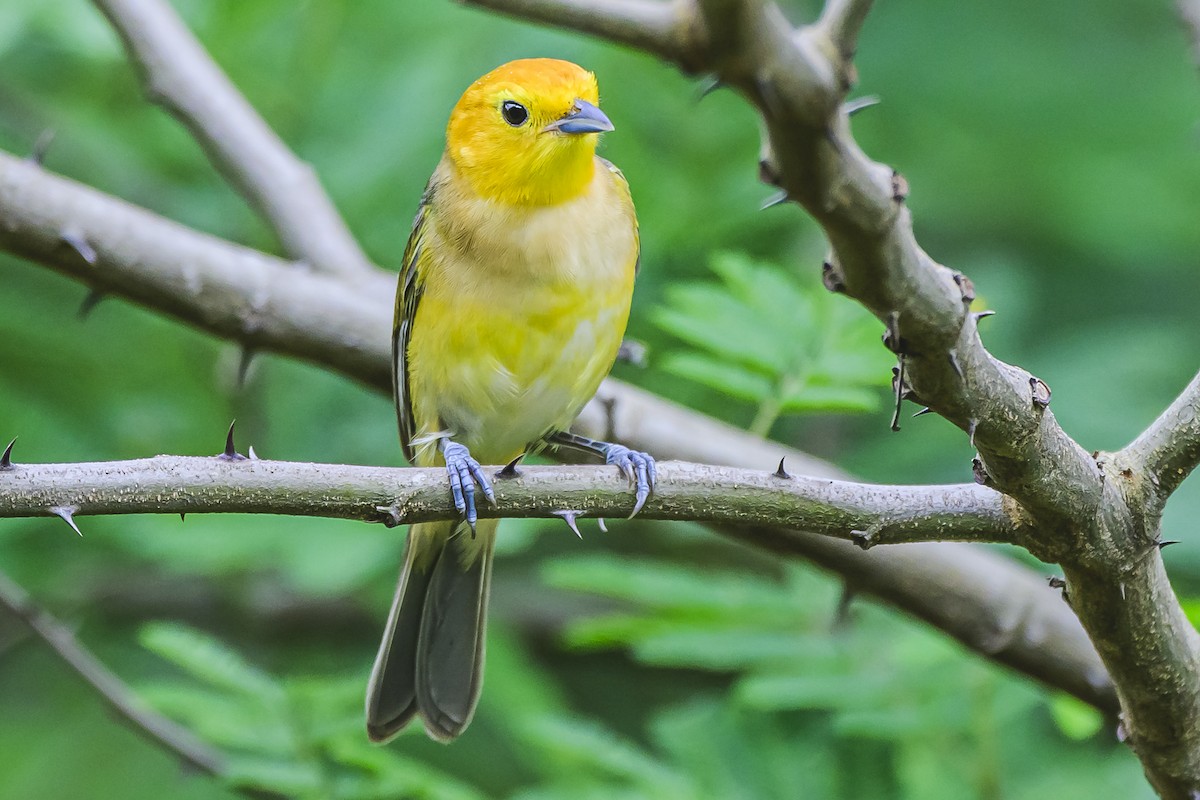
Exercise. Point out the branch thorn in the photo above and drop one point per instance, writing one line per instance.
(74, 238)
(777, 199)
(862, 539)
(245, 358)
(1166, 543)
(1041, 392)
(978, 315)
(707, 86)
(251, 454)
(37, 155)
(182, 516)
(632, 352)
(898, 380)
(971, 426)
(510, 469)
(923, 412)
(6, 459)
(602, 526)
(391, 515)
(852, 107)
(781, 472)
(952, 357)
(569, 516)
(89, 303)
(67, 515)
(231, 453)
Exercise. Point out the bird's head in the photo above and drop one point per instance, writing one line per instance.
(526, 132)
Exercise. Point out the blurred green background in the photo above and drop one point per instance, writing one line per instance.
(1052, 155)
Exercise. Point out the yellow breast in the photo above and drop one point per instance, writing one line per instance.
(522, 312)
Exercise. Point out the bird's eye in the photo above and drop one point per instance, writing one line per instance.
(514, 113)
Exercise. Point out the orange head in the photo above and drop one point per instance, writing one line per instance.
(526, 132)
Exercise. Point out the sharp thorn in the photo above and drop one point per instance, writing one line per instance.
(89, 303)
(569, 516)
(923, 412)
(602, 526)
(978, 315)
(510, 470)
(861, 539)
(777, 199)
(1166, 543)
(781, 472)
(632, 352)
(841, 617)
(899, 395)
(1122, 585)
(6, 459)
(182, 516)
(67, 515)
(952, 357)
(75, 239)
(708, 86)
(251, 454)
(37, 155)
(231, 453)
(1056, 582)
(244, 360)
(971, 426)
(391, 515)
(852, 107)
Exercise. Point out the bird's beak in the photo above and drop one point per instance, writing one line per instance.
(584, 118)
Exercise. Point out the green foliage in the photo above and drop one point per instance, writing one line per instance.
(761, 336)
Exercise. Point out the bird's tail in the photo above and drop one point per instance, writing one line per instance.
(431, 659)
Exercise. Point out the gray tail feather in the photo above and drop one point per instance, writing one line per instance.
(431, 659)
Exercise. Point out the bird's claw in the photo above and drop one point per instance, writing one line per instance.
(464, 473)
(636, 467)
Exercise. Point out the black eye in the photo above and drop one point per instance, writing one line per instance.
(514, 113)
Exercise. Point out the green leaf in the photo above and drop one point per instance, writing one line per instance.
(731, 379)
(208, 660)
(1076, 719)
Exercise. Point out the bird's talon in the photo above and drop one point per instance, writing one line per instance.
(464, 473)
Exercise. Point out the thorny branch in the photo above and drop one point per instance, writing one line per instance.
(1000, 608)
(1086, 513)
(865, 514)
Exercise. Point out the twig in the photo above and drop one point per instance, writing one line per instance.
(841, 20)
(1167, 451)
(182, 484)
(250, 297)
(179, 75)
(656, 26)
(157, 729)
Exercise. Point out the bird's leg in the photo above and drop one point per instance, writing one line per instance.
(464, 472)
(637, 467)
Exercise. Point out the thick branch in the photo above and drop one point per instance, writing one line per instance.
(159, 730)
(180, 75)
(1168, 451)
(648, 25)
(865, 513)
(219, 287)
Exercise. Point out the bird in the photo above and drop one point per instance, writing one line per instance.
(512, 302)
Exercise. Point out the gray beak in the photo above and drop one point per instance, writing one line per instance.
(584, 118)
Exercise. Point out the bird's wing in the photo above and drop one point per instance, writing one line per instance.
(408, 296)
(623, 188)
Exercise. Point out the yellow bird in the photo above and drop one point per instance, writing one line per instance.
(511, 307)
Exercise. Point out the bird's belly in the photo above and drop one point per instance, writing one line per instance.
(510, 370)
